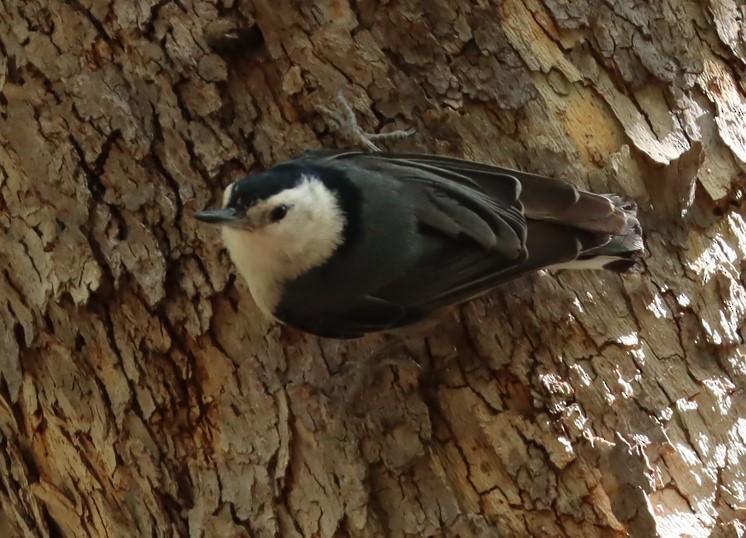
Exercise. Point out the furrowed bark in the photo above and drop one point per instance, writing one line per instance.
(141, 391)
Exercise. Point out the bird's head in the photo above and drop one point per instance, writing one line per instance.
(282, 222)
(285, 203)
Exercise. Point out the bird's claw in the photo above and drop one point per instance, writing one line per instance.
(345, 122)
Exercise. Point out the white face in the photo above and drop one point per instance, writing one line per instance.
(283, 237)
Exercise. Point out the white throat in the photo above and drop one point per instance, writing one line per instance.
(274, 254)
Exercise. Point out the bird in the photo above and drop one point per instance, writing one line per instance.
(342, 243)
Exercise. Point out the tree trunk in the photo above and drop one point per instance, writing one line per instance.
(144, 394)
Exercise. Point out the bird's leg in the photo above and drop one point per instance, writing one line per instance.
(398, 352)
(344, 121)
(381, 358)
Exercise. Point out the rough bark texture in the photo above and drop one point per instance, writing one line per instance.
(142, 392)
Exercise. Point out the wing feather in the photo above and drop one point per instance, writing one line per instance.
(480, 225)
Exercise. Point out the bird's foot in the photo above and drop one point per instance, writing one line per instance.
(344, 121)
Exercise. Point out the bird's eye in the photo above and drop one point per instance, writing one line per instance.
(278, 213)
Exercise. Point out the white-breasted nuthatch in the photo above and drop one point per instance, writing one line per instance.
(343, 243)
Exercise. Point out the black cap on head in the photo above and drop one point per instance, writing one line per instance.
(252, 189)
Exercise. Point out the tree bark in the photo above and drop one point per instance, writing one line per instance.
(143, 393)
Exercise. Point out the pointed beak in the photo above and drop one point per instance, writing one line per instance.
(226, 217)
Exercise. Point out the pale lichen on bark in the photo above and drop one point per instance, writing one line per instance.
(142, 392)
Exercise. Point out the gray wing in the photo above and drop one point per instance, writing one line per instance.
(480, 226)
(483, 224)
(539, 197)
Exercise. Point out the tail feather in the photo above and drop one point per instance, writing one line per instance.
(621, 251)
(556, 201)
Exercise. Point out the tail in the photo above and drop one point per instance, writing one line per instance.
(620, 251)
